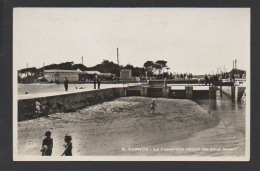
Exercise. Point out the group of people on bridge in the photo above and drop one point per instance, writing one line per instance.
(96, 80)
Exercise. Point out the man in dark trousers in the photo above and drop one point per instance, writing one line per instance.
(206, 79)
(66, 83)
(95, 81)
(98, 81)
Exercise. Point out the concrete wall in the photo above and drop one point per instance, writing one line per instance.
(177, 94)
(155, 91)
(189, 92)
(68, 102)
(239, 91)
(234, 92)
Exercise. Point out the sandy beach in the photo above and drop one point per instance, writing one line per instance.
(106, 128)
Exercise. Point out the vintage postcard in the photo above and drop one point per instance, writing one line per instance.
(131, 84)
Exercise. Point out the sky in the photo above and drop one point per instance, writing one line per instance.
(193, 40)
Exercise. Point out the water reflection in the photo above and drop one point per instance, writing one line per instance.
(221, 105)
(229, 133)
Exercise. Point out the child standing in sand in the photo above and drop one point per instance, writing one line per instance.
(152, 106)
(47, 145)
(38, 107)
(45, 109)
(68, 146)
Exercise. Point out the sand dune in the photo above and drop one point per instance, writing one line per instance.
(106, 128)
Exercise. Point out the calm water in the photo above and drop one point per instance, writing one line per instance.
(226, 139)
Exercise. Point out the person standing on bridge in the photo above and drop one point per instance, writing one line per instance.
(98, 81)
(66, 84)
(45, 109)
(95, 81)
(165, 82)
(206, 79)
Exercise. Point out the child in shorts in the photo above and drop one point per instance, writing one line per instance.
(45, 109)
(68, 146)
(38, 108)
(47, 145)
(152, 106)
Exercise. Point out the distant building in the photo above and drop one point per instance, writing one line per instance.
(59, 75)
(106, 74)
(92, 72)
(27, 72)
(126, 74)
(88, 75)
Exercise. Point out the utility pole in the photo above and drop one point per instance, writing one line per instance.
(43, 71)
(118, 65)
(27, 68)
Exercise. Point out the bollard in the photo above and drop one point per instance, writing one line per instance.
(220, 91)
(233, 92)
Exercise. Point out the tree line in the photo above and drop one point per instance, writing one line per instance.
(105, 66)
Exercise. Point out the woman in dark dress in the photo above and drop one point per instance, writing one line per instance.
(66, 83)
(47, 145)
(68, 146)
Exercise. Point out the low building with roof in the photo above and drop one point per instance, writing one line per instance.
(59, 75)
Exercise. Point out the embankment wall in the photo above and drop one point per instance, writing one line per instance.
(67, 102)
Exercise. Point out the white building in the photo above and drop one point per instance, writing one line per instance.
(126, 74)
(59, 75)
(93, 72)
(25, 74)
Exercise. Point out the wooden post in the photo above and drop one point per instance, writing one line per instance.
(233, 92)
(220, 91)
(118, 65)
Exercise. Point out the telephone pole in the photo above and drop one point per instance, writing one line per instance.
(118, 65)
(43, 71)
(27, 68)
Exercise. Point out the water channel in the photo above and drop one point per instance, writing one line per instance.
(226, 139)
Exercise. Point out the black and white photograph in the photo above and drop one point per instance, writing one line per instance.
(131, 84)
